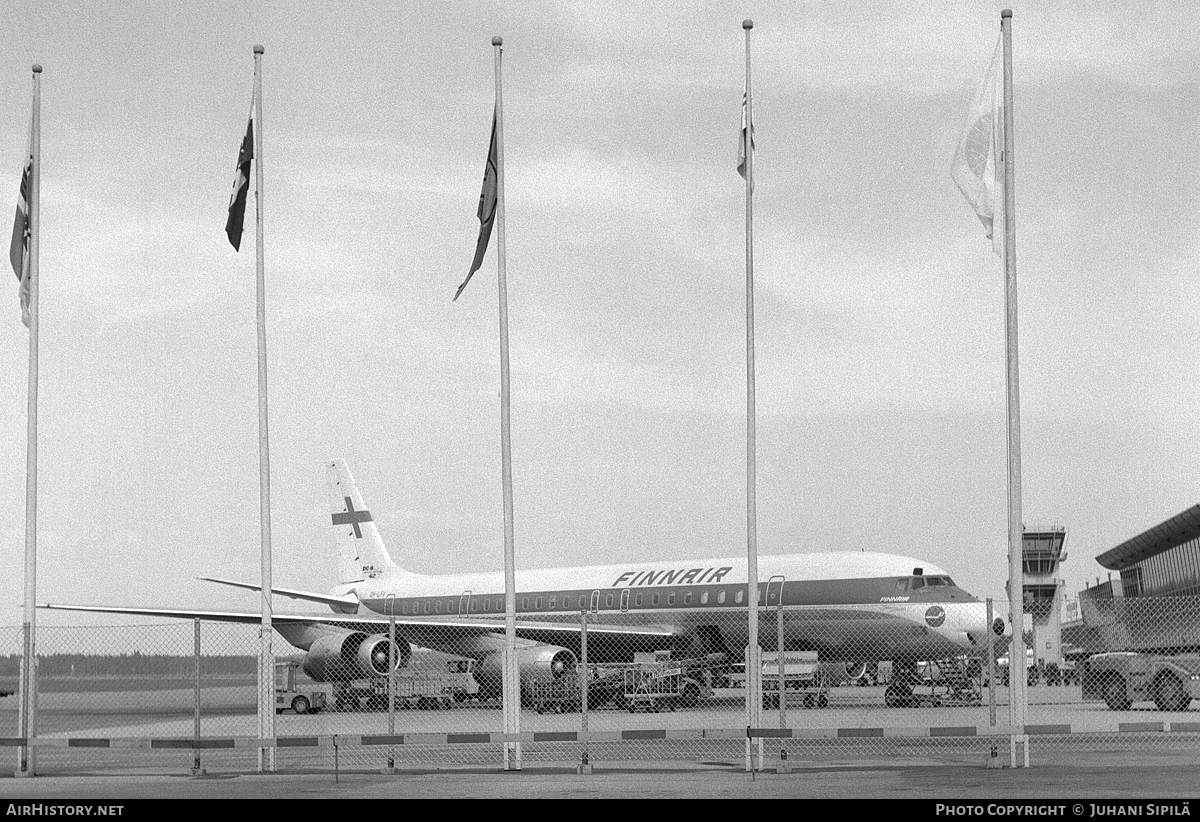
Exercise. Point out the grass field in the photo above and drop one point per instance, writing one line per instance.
(92, 683)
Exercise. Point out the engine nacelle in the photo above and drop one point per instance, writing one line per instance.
(341, 657)
(853, 672)
(536, 663)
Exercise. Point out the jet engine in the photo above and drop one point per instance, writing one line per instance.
(343, 656)
(854, 672)
(536, 663)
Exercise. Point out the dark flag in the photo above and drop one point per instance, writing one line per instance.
(487, 210)
(741, 166)
(241, 184)
(18, 251)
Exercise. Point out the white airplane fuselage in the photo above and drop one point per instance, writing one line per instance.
(851, 606)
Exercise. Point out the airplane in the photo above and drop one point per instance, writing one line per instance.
(854, 607)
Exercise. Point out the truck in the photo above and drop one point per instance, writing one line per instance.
(562, 696)
(1121, 678)
(431, 681)
(291, 694)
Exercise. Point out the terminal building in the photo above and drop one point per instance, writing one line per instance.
(1153, 602)
(1161, 562)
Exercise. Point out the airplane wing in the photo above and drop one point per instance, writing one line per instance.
(428, 633)
(342, 603)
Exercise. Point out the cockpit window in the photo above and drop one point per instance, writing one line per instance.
(902, 585)
(918, 583)
(932, 581)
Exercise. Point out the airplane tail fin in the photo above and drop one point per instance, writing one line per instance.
(361, 552)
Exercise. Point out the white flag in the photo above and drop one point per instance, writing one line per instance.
(977, 168)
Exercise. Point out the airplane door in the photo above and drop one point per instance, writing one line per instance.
(595, 601)
(389, 605)
(625, 601)
(464, 602)
(774, 591)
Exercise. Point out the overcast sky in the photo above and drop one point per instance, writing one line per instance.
(879, 313)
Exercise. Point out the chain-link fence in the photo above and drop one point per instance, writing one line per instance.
(893, 682)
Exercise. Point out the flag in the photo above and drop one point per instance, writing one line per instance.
(18, 251)
(977, 167)
(487, 209)
(741, 166)
(241, 184)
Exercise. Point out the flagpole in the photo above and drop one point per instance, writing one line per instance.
(1016, 656)
(511, 680)
(27, 721)
(753, 664)
(266, 663)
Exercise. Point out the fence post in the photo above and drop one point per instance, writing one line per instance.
(584, 765)
(27, 706)
(196, 769)
(991, 665)
(993, 760)
(391, 761)
(782, 681)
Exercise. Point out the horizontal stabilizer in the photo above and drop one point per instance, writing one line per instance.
(340, 602)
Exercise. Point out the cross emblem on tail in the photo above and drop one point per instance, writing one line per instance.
(352, 517)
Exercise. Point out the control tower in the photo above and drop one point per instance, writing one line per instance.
(1041, 553)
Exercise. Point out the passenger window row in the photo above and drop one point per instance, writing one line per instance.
(568, 602)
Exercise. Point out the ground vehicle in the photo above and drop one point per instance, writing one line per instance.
(1050, 673)
(430, 681)
(1033, 673)
(949, 682)
(289, 694)
(606, 687)
(1120, 678)
(411, 691)
(653, 682)
(804, 682)
(558, 697)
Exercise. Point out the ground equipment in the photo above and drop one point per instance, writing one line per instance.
(1120, 678)
(291, 695)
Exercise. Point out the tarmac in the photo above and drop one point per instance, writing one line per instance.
(1142, 781)
(1144, 771)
